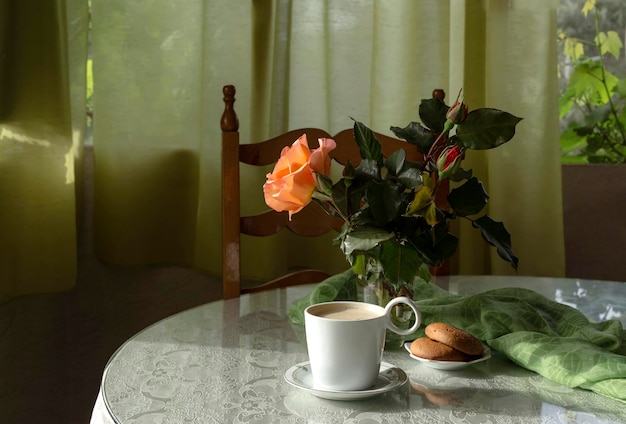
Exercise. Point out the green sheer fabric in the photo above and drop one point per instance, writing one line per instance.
(158, 71)
(159, 68)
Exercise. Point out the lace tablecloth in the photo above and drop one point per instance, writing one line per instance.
(224, 362)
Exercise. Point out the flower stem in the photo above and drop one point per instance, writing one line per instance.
(338, 210)
(436, 144)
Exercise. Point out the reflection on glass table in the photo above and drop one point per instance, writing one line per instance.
(599, 300)
(226, 361)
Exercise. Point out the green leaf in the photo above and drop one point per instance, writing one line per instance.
(364, 239)
(609, 43)
(368, 168)
(369, 146)
(588, 6)
(496, 235)
(572, 143)
(573, 48)
(323, 198)
(349, 171)
(355, 194)
(469, 198)
(439, 231)
(400, 263)
(423, 198)
(384, 200)
(577, 159)
(358, 263)
(461, 175)
(340, 195)
(598, 115)
(566, 103)
(586, 83)
(620, 88)
(434, 253)
(446, 247)
(410, 178)
(324, 184)
(395, 162)
(429, 213)
(415, 133)
(486, 128)
(424, 273)
(433, 114)
(442, 244)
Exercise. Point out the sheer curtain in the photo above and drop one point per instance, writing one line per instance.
(158, 72)
(159, 68)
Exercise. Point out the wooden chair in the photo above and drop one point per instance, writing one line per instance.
(310, 222)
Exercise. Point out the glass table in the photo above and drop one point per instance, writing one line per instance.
(224, 362)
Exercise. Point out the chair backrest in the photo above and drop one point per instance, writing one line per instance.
(310, 222)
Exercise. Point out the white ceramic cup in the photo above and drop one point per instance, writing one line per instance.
(345, 341)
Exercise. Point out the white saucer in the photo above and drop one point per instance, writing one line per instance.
(448, 365)
(389, 378)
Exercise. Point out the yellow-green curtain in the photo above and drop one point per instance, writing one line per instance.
(517, 72)
(159, 68)
(42, 117)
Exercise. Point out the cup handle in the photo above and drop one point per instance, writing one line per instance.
(407, 301)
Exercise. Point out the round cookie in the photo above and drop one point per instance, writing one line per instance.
(430, 349)
(454, 337)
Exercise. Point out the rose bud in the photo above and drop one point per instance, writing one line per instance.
(457, 113)
(449, 160)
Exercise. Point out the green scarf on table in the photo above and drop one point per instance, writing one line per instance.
(549, 338)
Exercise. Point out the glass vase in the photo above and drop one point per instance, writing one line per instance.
(373, 288)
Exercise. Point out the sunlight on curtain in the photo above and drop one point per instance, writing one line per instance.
(375, 60)
(41, 127)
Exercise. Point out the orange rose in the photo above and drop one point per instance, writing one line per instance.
(289, 187)
(319, 160)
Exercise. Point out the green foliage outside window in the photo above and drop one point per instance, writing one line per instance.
(591, 105)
